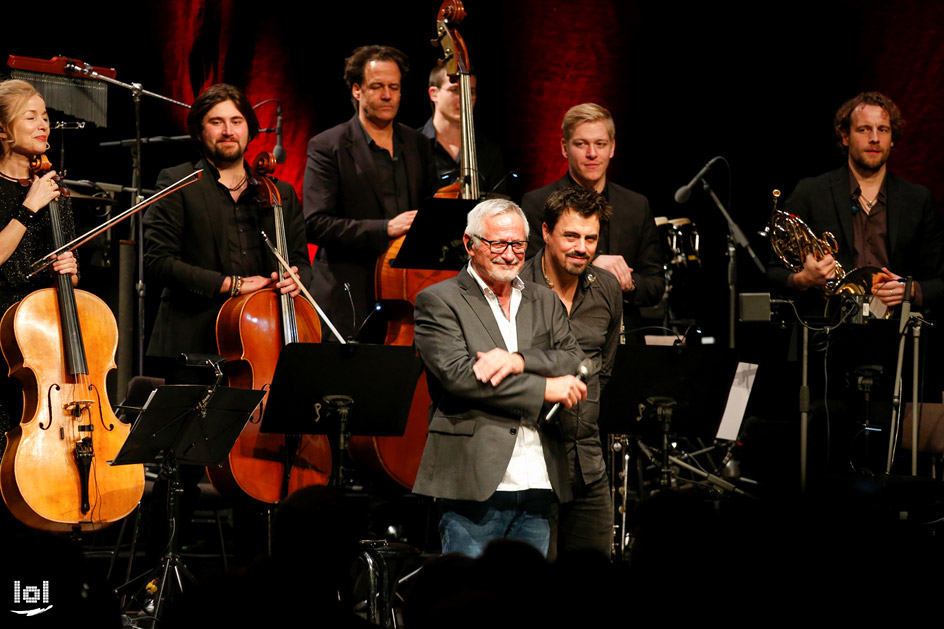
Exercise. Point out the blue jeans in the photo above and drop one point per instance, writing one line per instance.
(467, 526)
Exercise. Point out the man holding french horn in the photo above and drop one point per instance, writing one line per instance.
(878, 219)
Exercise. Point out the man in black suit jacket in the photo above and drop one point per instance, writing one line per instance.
(496, 349)
(363, 182)
(203, 243)
(878, 218)
(629, 246)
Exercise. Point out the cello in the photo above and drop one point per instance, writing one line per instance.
(399, 457)
(53, 474)
(249, 328)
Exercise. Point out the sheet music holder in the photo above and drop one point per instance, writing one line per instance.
(380, 379)
(698, 378)
(435, 238)
(199, 428)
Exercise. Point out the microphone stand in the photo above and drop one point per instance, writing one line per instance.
(735, 237)
(915, 321)
(137, 225)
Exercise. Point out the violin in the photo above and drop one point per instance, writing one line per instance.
(60, 344)
(399, 457)
(251, 330)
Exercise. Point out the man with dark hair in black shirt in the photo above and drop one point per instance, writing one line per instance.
(594, 302)
(203, 244)
(364, 180)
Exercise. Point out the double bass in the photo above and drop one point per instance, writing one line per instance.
(60, 344)
(251, 330)
(399, 457)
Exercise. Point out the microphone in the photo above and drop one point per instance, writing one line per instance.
(584, 371)
(682, 194)
(279, 151)
(377, 308)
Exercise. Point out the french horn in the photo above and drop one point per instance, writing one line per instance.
(791, 240)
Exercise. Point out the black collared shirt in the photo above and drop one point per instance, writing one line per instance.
(595, 317)
(246, 248)
(393, 175)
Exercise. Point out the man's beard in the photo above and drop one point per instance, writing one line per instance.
(859, 161)
(503, 272)
(219, 156)
(576, 268)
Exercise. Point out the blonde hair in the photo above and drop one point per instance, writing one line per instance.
(587, 112)
(13, 96)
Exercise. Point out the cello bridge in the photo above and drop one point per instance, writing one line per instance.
(76, 407)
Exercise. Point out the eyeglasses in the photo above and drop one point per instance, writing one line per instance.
(498, 247)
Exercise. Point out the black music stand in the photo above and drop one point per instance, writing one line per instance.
(183, 423)
(660, 392)
(367, 388)
(696, 377)
(435, 237)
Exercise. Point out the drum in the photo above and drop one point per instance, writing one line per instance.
(665, 238)
(683, 243)
(680, 248)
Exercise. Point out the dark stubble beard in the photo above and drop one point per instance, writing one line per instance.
(866, 167)
(221, 158)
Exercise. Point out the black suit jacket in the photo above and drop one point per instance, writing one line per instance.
(187, 252)
(344, 213)
(915, 239)
(473, 425)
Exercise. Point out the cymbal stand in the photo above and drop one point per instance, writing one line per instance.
(914, 321)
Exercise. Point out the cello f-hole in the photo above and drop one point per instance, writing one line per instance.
(101, 417)
(49, 405)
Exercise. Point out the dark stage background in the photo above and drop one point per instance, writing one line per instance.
(685, 83)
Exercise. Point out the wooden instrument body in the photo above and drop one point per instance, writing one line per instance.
(399, 457)
(249, 336)
(251, 330)
(39, 477)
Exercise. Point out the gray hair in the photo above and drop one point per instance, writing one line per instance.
(492, 207)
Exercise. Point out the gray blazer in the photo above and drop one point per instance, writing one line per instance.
(473, 425)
